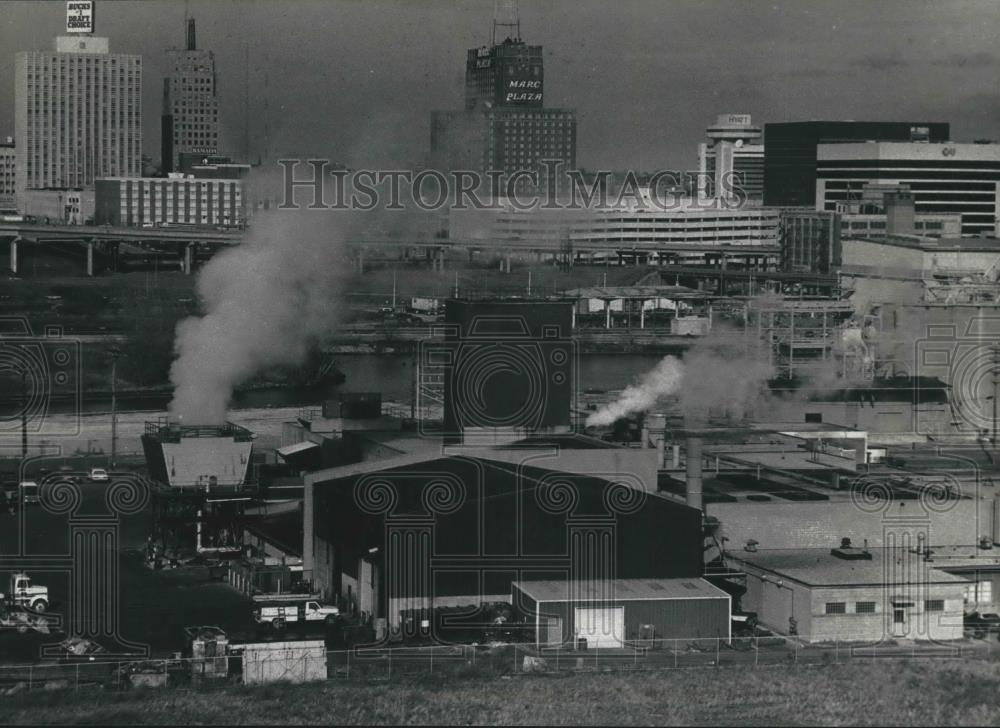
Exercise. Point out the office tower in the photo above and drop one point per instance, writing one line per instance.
(190, 121)
(732, 157)
(77, 114)
(790, 151)
(504, 125)
(944, 179)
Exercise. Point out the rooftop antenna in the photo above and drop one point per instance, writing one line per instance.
(505, 15)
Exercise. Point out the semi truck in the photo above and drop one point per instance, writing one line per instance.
(23, 594)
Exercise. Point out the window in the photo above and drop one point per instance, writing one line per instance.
(864, 608)
(836, 607)
(934, 605)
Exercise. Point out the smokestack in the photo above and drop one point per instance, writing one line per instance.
(656, 426)
(675, 456)
(693, 462)
(190, 35)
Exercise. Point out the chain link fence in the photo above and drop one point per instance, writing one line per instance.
(294, 664)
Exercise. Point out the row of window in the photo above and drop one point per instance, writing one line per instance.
(930, 605)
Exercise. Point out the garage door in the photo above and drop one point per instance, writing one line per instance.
(601, 627)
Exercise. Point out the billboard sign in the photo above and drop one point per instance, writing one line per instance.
(521, 88)
(80, 16)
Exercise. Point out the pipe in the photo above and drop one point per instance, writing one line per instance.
(692, 458)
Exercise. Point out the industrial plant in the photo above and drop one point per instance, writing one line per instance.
(535, 373)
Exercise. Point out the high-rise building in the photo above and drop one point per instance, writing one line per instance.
(731, 162)
(508, 74)
(8, 181)
(504, 125)
(77, 114)
(944, 179)
(190, 121)
(790, 151)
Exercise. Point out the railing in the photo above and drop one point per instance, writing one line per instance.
(389, 663)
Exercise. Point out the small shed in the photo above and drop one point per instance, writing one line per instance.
(299, 661)
(612, 613)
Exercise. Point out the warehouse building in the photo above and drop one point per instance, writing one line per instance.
(611, 613)
(417, 532)
(852, 594)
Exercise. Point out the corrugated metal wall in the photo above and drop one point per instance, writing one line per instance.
(671, 618)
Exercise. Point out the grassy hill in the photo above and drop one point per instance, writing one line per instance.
(896, 692)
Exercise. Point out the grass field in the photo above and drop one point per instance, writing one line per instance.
(929, 692)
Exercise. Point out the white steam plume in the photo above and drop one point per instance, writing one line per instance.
(723, 373)
(664, 379)
(265, 301)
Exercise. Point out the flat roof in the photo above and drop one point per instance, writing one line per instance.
(818, 567)
(569, 590)
(979, 244)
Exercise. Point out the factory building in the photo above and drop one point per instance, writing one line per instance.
(504, 494)
(613, 613)
(414, 533)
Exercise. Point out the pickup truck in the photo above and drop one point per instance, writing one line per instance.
(279, 615)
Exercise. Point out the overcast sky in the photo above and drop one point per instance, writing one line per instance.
(355, 80)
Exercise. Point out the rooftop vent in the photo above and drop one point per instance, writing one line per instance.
(849, 553)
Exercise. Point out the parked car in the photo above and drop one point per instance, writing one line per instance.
(99, 475)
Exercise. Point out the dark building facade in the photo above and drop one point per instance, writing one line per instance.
(810, 241)
(459, 531)
(509, 371)
(190, 120)
(504, 125)
(508, 74)
(790, 151)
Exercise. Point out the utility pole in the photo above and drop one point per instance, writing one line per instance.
(24, 413)
(114, 353)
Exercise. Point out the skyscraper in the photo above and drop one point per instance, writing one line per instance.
(504, 125)
(190, 121)
(77, 114)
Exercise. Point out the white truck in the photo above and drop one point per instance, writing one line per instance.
(23, 594)
(302, 613)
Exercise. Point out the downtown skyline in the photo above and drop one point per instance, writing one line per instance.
(337, 79)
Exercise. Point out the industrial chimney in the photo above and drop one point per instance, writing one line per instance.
(693, 461)
(190, 35)
(656, 432)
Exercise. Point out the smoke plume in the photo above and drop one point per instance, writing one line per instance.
(265, 301)
(724, 373)
(663, 380)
